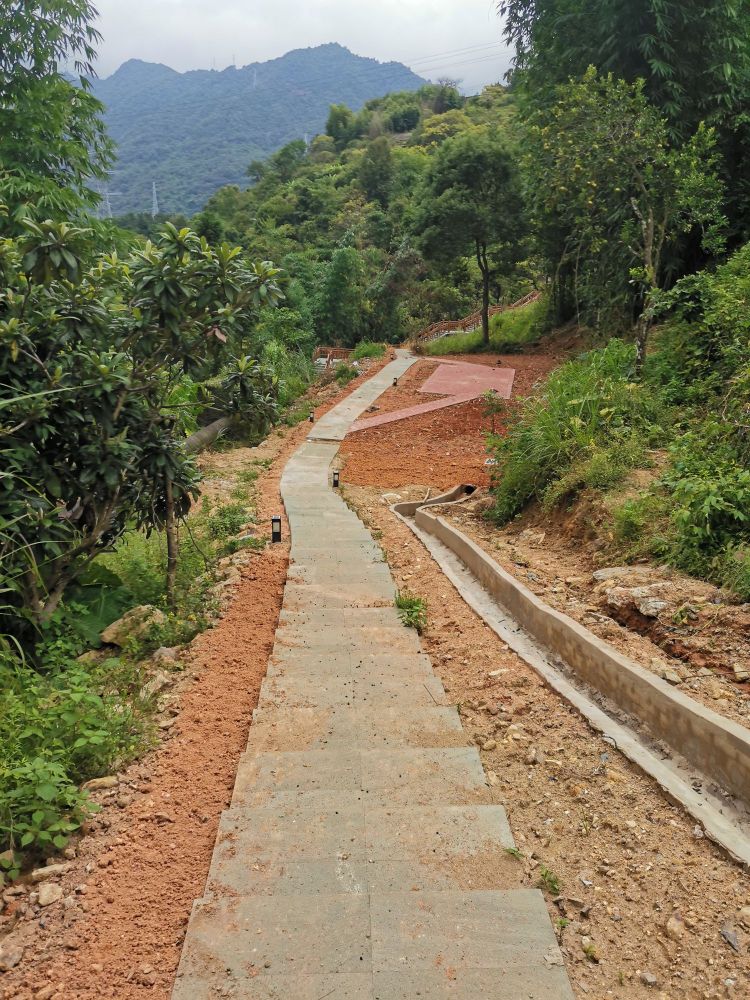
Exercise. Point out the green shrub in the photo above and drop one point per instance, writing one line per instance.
(345, 374)
(227, 520)
(57, 731)
(709, 487)
(298, 414)
(600, 467)
(587, 425)
(367, 349)
(733, 570)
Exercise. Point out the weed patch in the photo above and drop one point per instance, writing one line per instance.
(510, 333)
(367, 349)
(412, 610)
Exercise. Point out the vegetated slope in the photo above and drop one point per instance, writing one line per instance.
(193, 132)
(342, 219)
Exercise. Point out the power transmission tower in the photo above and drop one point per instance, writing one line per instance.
(154, 203)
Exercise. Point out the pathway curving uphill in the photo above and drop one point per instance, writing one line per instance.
(358, 860)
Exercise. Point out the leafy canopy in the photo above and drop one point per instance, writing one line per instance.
(52, 140)
(92, 350)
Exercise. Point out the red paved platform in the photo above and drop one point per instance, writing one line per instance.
(459, 378)
(458, 381)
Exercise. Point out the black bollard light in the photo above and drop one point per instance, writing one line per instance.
(335, 479)
(395, 381)
(311, 418)
(276, 528)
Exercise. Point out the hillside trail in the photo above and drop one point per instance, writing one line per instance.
(361, 856)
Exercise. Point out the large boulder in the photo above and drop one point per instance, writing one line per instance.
(133, 625)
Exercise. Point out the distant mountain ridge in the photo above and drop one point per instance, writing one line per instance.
(193, 132)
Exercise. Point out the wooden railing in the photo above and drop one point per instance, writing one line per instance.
(438, 330)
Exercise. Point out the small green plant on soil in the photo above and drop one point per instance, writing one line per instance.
(227, 519)
(412, 610)
(549, 881)
(514, 853)
(367, 349)
(298, 414)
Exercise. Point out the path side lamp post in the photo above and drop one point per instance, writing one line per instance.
(335, 479)
(395, 382)
(276, 528)
(311, 418)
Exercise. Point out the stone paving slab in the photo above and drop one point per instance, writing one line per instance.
(295, 832)
(267, 935)
(470, 984)
(336, 987)
(369, 727)
(336, 594)
(302, 729)
(490, 929)
(388, 691)
(412, 832)
(306, 692)
(398, 639)
(423, 775)
(316, 659)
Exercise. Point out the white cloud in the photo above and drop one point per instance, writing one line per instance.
(456, 38)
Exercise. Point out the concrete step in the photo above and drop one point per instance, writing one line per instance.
(418, 776)
(378, 945)
(349, 849)
(365, 727)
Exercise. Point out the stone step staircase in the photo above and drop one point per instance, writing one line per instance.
(361, 857)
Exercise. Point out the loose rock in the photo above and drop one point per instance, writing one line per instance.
(49, 893)
(133, 625)
(11, 953)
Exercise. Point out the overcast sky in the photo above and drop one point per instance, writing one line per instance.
(456, 38)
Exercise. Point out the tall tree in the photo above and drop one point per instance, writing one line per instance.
(471, 205)
(611, 196)
(340, 304)
(53, 145)
(693, 56)
(376, 171)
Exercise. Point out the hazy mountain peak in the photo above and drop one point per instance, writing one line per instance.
(195, 131)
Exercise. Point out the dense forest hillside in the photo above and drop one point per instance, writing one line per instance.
(347, 219)
(192, 132)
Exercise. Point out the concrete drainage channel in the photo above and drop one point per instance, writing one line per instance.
(630, 706)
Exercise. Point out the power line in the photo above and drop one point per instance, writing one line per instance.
(465, 62)
(469, 50)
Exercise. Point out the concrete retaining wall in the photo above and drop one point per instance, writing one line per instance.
(716, 746)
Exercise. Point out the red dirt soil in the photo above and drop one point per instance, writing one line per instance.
(441, 448)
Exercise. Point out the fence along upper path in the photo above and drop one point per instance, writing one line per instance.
(472, 322)
(360, 859)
